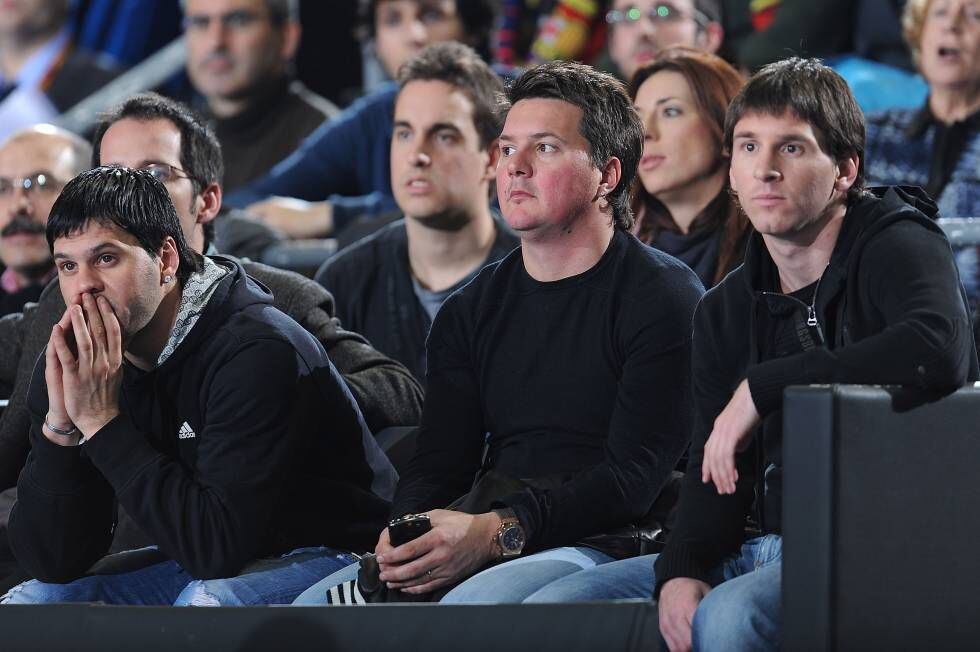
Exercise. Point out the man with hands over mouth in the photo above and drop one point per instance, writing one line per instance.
(252, 486)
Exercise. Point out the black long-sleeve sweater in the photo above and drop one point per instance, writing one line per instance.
(889, 310)
(244, 443)
(587, 376)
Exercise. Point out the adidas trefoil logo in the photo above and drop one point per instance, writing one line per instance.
(186, 432)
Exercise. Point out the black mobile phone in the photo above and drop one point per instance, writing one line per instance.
(405, 528)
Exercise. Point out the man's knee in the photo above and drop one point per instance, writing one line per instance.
(737, 619)
(36, 592)
(208, 593)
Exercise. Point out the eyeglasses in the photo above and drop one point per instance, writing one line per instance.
(665, 15)
(38, 182)
(165, 173)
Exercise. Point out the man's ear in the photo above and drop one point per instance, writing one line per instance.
(291, 33)
(612, 172)
(209, 204)
(493, 151)
(847, 171)
(169, 259)
(712, 37)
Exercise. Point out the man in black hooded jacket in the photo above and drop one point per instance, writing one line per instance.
(173, 387)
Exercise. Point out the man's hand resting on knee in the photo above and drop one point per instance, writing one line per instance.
(457, 546)
(679, 599)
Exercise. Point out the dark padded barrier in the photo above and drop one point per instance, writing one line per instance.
(376, 628)
(881, 519)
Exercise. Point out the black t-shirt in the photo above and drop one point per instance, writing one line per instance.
(587, 376)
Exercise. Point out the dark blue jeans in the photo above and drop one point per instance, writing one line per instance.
(742, 611)
(265, 581)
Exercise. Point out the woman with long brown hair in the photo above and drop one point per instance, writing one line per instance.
(681, 197)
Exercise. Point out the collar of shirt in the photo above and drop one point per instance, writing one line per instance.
(34, 69)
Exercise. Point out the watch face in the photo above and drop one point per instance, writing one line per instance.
(512, 539)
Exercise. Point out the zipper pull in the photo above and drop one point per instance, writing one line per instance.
(811, 316)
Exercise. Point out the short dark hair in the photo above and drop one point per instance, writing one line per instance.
(200, 151)
(280, 11)
(129, 199)
(609, 122)
(477, 16)
(815, 94)
(460, 66)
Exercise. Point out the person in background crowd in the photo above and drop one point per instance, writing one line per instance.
(568, 360)
(937, 146)
(682, 199)
(35, 164)
(239, 57)
(390, 285)
(639, 29)
(42, 74)
(341, 171)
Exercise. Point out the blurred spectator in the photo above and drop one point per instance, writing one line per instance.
(682, 199)
(758, 32)
(341, 171)
(239, 57)
(936, 146)
(34, 166)
(42, 74)
(638, 29)
(394, 31)
(391, 285)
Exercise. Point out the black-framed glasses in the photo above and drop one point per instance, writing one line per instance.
(165, 173)
(664, 14)
(37, 182)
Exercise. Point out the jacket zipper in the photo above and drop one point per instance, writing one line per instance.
(811, 309)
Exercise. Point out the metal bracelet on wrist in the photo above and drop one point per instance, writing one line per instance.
(61, 431)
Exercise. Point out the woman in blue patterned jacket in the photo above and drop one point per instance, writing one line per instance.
(937, 146)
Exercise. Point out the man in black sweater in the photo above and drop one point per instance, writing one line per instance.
(240, 59)
(390, 285)
(148, 395)
(568, 359)
(839, 285)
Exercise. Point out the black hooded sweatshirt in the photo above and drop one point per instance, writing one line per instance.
(889, 309)
(244, 443)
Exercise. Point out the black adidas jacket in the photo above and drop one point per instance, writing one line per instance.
(244, 443)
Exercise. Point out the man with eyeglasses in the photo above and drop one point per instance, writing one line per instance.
(638, 29)
(239, 58)
(34, 165)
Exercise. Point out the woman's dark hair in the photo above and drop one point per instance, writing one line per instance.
(609, 123)
(131, 200)
(713, 83)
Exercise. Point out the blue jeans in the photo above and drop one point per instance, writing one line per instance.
(742, 612)
(265, 581)
(510, 582)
